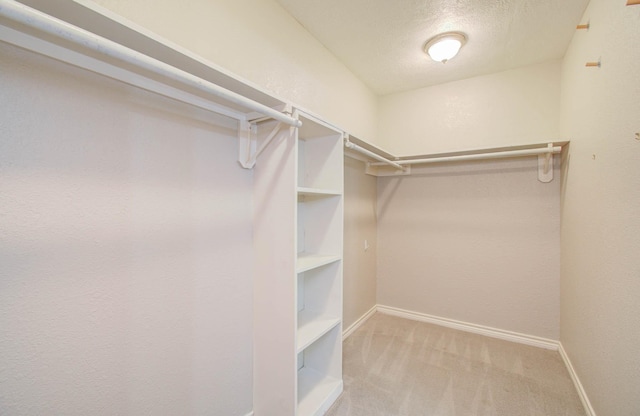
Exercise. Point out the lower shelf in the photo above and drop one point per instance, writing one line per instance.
(316, 392)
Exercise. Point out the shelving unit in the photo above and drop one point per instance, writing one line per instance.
(319, 266)
(298, 194)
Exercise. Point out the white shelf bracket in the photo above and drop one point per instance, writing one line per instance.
(247, 144)
(249, 151)
(545, 165)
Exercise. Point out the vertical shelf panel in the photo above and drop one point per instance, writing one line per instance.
(274, 366)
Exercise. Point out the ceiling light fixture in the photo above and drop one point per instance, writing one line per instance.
(444, 46)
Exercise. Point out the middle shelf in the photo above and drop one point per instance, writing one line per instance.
(305, 193)
(307, 261)
(319, 303)
(312, 326)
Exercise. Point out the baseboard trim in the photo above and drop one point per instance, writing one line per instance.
(357, 324)
(481, 330)
(250, 413)
(473, 328)
(576, 382)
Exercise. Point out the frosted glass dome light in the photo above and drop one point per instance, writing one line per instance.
(444, 46)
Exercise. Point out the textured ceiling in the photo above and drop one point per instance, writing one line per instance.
(381, 41)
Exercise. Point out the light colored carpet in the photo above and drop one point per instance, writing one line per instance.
(399, 367)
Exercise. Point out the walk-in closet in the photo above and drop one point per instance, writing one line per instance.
(299, 208)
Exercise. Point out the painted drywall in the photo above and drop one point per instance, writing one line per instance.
(260, 41)
(515, 107)
(601, 194)
(360, 226)
(473, 242)
(125, 250)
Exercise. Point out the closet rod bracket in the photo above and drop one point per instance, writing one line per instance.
(247, 143)
(545, 165)
(248, 148)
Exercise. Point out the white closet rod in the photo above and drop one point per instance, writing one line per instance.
(32, 18)
(383, 160)
(479, 156)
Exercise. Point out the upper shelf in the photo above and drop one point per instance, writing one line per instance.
(90, 37)
(98, 20)
(382, 163)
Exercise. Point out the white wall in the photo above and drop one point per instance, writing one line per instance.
(474, 242)
(515, 107)
(359, 225)
(258, 40)
(601, 196)
(125, 250)
(466, 241)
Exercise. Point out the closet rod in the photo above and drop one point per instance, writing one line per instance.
(480, 156)
(372, 155)
(32, 18)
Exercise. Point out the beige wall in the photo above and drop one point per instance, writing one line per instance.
(258, 40)
(125, 250)
(466, 241)
(359, 225)
(519, 106)
(601, 195)
(92, 178)
(474, 242)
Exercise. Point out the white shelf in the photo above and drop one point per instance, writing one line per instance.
(311, 261)
(316, 392)
(312, 326)
(318, 191)
(96, 19)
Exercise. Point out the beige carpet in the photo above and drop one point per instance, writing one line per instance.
(394, 366)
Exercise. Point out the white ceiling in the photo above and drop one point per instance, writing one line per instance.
(381, 41)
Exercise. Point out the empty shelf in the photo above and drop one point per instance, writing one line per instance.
(316, 392)
(318, 192)
(311, 261)
(311, 326)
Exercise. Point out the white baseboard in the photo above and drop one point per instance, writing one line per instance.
(474, 328)
(576, 381)
(357, 324)
(250, 413)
